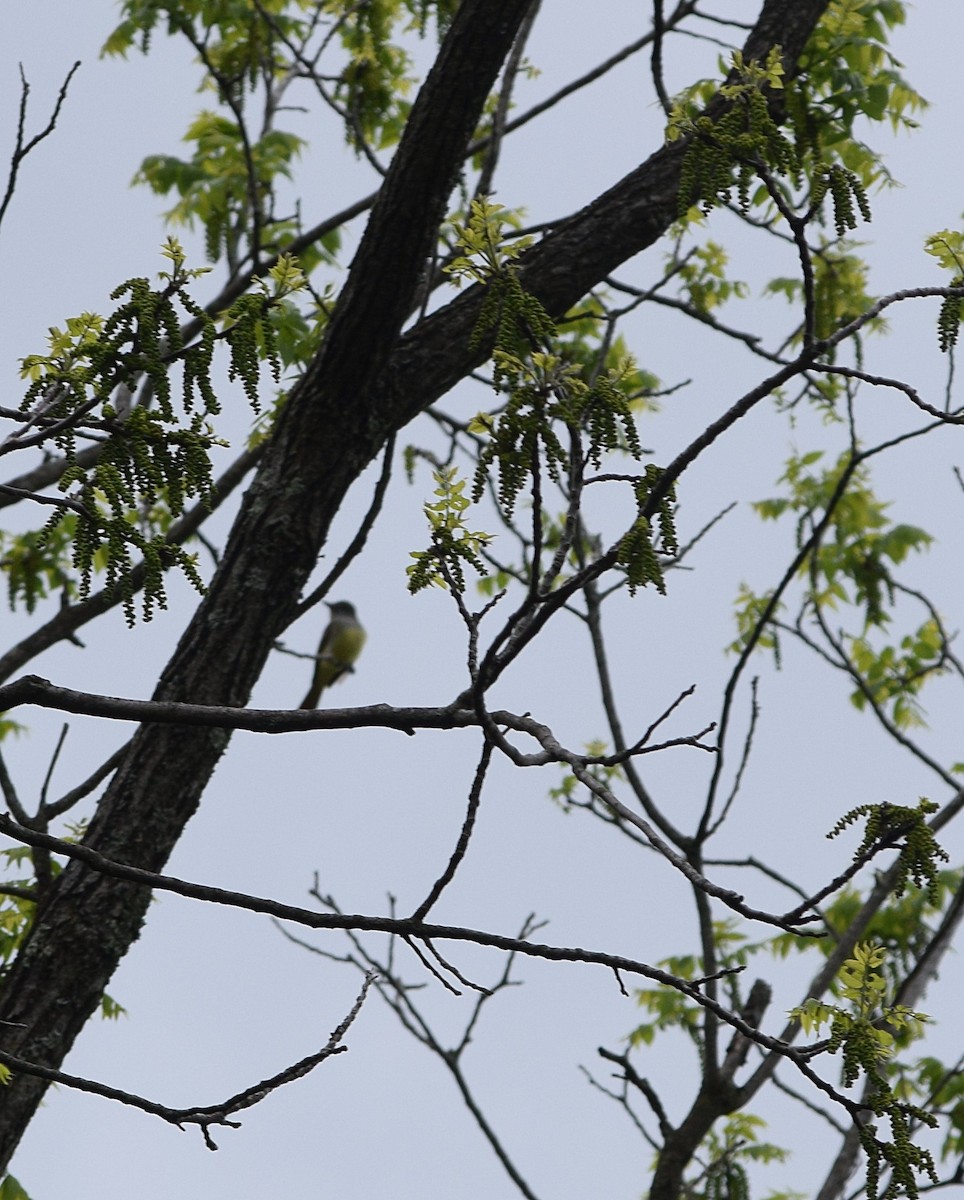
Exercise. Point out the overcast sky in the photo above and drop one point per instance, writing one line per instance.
(217, 999)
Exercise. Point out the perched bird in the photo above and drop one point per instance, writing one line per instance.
(341, 644)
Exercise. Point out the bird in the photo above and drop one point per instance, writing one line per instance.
(341, 644)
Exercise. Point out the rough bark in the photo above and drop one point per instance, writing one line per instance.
(365, 383)
(711, 1103)
(326, 437)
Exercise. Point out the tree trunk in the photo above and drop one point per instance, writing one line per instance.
(365, 383)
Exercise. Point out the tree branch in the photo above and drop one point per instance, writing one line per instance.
(365, 382)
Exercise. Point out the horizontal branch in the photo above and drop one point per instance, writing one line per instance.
(405, 927)
(71, 617)
(412, 929)
(32, 689)
(215, 1114)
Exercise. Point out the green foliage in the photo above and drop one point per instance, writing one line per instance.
(669, 1008)
(941, 1088)
(846, 191)
(754, 615)
(523, 437)
(853, 564)
(728, 1151)
(251, 53)
(544, 390)
(250, 330)
(947, 247)
(374, 84)
(840, 294)
(569, 397)
(702, 275)
(894, 675)
(236, 21)
(8, 726)
(638, 548)
(110, 1010)
(847, 74)
(221, 182)
(578, 342)
(10, 1189)
(726, 1178)
(746, 143)
(732, 1144)
(150, 454)
(294, 336)
(486, 251)
(864, 1032)
(550, 388)
(511, 322)
(493, 583)
(16, 910)
(297, 335)
(723, 154)
(581, 546)
(36, 564)
(890, 823)
(860, 1029)
(862, 1026)
(18, 905)
(903, 926)
(453, 544)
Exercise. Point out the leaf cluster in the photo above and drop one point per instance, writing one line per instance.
(846, 74)
(889, 823)
(568, 403)
(864, 1033)
(217, 183)
(840, 294)
(638, 547)
(702, 275)
(454, 545)
(904, 926)
(153, 453)
(17, 904)
(671, 1009)
(10, 1189)
(852, 563)
(942, 1089)
(729, 1151)
(947, 246)
(724, 154)
(35, 564)
(546, 388)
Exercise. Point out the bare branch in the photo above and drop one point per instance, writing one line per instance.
(461, 848)
(212, 1115)
(22, 148)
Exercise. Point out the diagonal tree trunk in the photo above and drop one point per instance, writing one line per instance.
(366, 383)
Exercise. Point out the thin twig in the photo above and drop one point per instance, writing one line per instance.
(22, 148)
(465, 834)
(215, 1114)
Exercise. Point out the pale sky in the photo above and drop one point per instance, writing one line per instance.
(217, 999)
